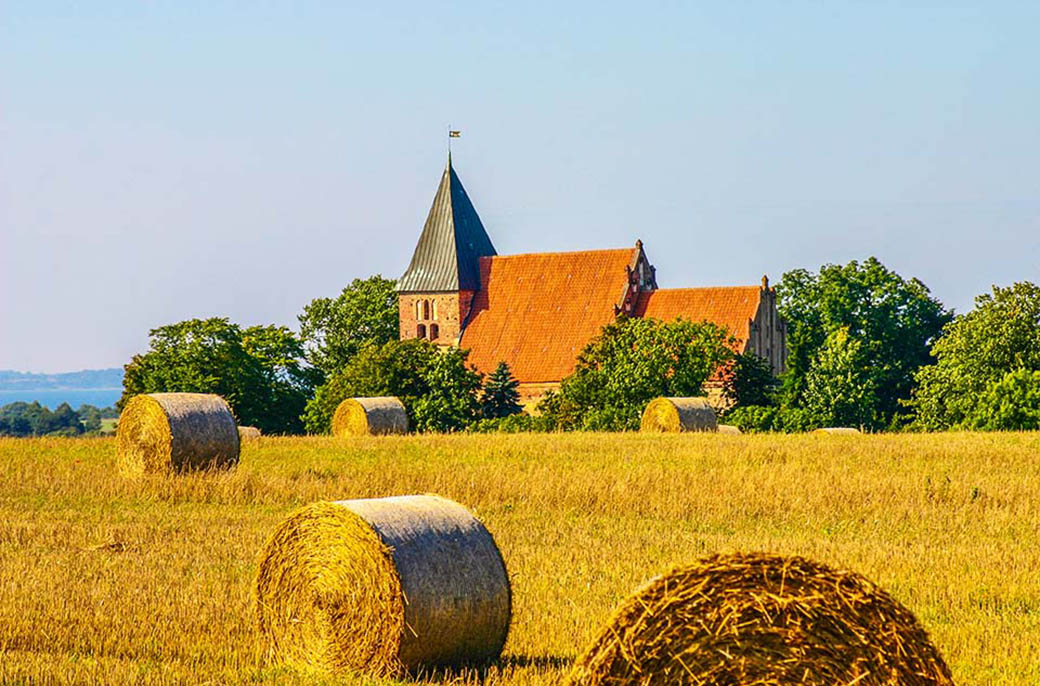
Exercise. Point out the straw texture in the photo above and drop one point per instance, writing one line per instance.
(382, 586)
(672, 415)
(369, 417)
(729, 429)
(764, 620)
(248, 433)
(838, 431)
(164, 432)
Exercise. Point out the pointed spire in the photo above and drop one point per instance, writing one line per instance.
(447, 257)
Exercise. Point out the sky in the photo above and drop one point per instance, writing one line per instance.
(167, 160)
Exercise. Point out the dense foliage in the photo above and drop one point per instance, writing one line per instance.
(631, 362)
(259, 370)
(34, 419)
(985, 363)
(334, 330)
(857, 335)
(438, 390)
(500, 397)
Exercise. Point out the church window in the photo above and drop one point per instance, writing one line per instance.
(434, 332)
(435, 309)
(425, 309)
(418, 309)
(420, 331)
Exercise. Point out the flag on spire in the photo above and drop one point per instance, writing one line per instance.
(454, 134)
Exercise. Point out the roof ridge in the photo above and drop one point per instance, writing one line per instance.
(562, 252)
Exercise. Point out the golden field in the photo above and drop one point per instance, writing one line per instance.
(105, 580)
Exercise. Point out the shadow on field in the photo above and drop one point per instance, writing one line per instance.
(479, 673)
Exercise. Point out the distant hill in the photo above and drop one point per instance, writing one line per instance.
(11, 380)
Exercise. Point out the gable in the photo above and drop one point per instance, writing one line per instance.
(536, 312)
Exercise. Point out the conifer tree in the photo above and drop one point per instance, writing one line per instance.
(500, 398)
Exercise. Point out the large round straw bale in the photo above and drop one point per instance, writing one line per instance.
(837, 431)
(678, 414)
(163, 432)
(729, 429)
(248, 433)
(382, 586)
(761, 619)
(369, 416)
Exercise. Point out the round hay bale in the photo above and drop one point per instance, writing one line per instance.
(672, 415)
(369, 417)
(729, 429)
(248, 433)
(382, 586)
(164, 432)
(837, 431)
(761, 619)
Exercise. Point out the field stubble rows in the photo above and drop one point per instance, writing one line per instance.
(148, 581)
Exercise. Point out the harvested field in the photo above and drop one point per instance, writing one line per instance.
(106, 580)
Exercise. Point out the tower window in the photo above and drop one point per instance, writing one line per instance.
(435, 309)
(425, 309)
(434, 332)
(420, 331)
(418, 309)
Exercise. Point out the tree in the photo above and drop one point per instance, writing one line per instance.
(839, 388)
(259, 371)
(632, 361)
(890, 321)
(1011, 404)
(334, 330)
(500, 398)
(974, 356)
(438, 390)
(749, 381)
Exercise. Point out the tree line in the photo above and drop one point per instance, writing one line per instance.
(866, 348)
(33, 419)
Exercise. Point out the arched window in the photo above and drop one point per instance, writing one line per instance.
(435, 310)
(425, 309)
(420, 331)
(435, 331)
(418, 309)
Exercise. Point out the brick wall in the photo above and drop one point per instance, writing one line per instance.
(426, 313)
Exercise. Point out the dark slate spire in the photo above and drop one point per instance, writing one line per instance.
(453, 240)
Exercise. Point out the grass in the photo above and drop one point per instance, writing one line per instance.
(104, 580)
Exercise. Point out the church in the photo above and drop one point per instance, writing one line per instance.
(537, 311)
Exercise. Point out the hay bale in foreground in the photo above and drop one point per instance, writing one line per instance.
(672, 415)
(370, 417)
(164, 432)
(761, 619)
(248, 433)
(838, 431)
(729, 429)
(382, 586)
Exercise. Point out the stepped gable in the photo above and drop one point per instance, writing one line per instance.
(732, 307)
(452, 242)
(536, 312)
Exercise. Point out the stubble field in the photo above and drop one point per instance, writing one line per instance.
(104, 580)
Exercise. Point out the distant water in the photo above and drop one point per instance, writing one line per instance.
(52, 397)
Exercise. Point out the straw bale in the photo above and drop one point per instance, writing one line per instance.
(761, 619)
(248, 433)
(672, 415)
(729, 429)
(382, 586)
(164, 432)
(370, 417)
(838, 431)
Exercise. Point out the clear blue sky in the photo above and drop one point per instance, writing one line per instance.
(167, 160)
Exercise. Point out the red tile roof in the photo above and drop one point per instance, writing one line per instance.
(537, 312)
(732, 307)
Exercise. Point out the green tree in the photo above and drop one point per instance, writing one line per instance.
(629, 363)
(839, 388)
(1011, 404)
(750, 381)
(258, 371)
(892, 322)
(334, 330)
(437, 388)
(974, 355)
(501, 397)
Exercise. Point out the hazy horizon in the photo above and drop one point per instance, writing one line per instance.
(169, 161)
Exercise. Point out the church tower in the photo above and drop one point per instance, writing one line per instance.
(435, 293)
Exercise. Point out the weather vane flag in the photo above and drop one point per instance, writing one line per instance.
(452, 134)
